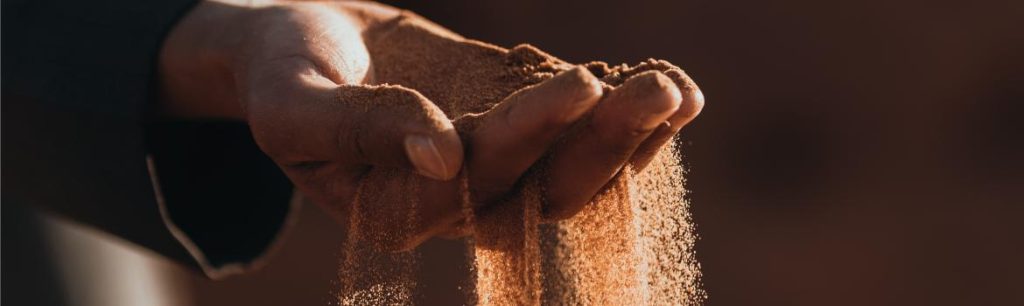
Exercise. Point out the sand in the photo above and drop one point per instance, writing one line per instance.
(632, 245)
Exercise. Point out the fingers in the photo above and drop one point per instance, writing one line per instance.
(299, 117)
(515, 134)
(689, 108)
(584, 163)
(506, 141)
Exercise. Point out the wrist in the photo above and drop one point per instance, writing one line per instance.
(195, 63)
(219, 42)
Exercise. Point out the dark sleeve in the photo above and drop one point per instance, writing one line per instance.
(97, 56)
(78, 77)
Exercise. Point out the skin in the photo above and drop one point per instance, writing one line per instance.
(281, 66)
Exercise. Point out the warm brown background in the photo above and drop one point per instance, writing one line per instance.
(851, 152)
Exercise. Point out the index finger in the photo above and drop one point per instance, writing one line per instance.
(514, 135)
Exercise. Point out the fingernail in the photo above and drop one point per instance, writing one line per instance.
(425, 157)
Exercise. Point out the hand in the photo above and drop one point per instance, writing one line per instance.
(297, 73)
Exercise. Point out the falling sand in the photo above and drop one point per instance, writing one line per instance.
(632, 245)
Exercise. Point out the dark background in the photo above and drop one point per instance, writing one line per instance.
(850, 153)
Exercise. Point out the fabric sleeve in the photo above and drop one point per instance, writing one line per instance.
(97, 56)
(78, 77)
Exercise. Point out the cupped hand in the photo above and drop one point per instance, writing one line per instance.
(359, 100)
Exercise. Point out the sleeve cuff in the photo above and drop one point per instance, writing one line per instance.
(219, 195)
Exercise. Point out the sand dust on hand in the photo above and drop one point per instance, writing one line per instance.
(632, 245)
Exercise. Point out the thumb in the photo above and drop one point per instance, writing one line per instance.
(304, 118)
(391, 125)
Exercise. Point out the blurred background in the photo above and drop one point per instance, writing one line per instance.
(851, 152)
